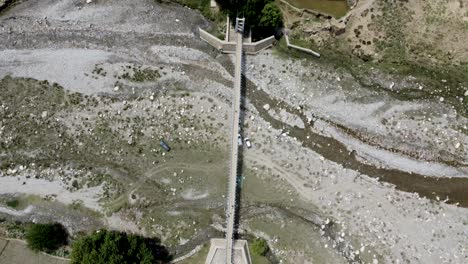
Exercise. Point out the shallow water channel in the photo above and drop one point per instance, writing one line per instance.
(431, 187)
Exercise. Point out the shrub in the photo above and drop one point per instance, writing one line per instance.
(110, 247)
(46, 237)
(271, 16)
(260, 247)
(12, 203)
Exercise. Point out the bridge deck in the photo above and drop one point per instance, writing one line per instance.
(231, 204)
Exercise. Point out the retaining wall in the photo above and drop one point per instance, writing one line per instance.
(212, 40)
(255, 47)
(309, 51)
(230, 47)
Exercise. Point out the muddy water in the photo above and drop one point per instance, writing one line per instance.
(336, 8)
(455, 188)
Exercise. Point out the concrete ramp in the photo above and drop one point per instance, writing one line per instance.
(217, 253)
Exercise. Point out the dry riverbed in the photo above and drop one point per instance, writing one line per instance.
(85, 99)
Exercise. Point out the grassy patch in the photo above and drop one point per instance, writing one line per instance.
(20, 202)
(258, 249)
(13, 229)
(257, 259)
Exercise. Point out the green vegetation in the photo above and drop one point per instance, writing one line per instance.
(403, 56)
(199, 257)
(335, 8)
(271, 16)
(13, 229)
(12, 203)
(99, 71)
(259, 14)
(202, 5)
(440, 80)
(105, 155)
(46, 237)
(259, 247)
(257, 259)
(219, 18)
(110, 247)
(394, 45)
(140, 74)
(398, 54)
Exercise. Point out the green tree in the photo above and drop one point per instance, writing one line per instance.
(46, 237)
(110, 247)
(259, 247)
(263, 13)
(251, 11)
(271, 16)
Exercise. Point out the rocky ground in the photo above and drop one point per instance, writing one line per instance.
(338, 172)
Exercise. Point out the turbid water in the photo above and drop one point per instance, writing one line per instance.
(336, 8)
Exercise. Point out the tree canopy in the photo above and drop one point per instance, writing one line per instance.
(257, 13)
(110, 247)
(46, 237)
(271, 16)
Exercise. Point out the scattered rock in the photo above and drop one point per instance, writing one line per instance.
(44, 114)
(266, 107)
